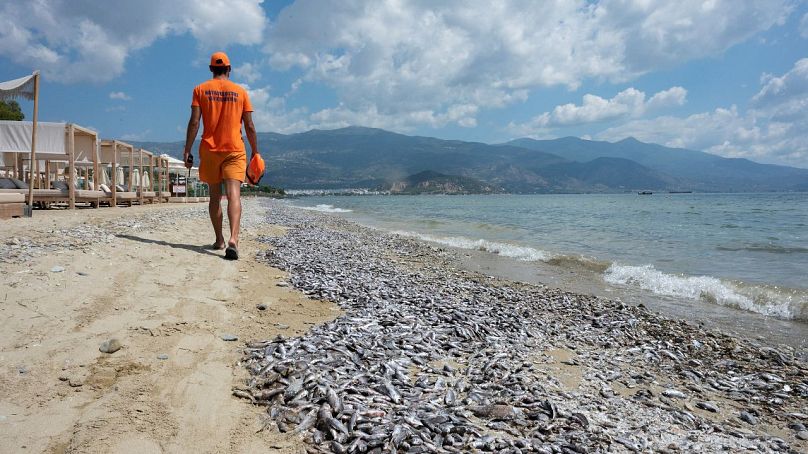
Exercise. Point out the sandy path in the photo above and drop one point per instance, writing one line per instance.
(153, 289)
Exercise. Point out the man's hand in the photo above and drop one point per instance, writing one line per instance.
(249, 128)
(190, 135)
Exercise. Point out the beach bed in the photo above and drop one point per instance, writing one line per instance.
(12, 205)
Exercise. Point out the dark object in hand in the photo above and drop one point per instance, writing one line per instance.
(190, 159)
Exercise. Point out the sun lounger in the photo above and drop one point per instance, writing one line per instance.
(11, 205)
(148, 196)
(48, 196)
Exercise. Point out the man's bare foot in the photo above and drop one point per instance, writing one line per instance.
(217, 246)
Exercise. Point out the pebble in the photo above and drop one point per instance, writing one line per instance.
(261, 307)
(709, 406)
(228, 337)
(110, 346)
(802, 435)
(162, 357)
(57, 269)
(82, 273)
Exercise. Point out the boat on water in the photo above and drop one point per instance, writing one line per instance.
(644, 192)
(680, 192)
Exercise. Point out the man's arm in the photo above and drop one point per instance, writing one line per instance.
(249, 128)
(190, 134)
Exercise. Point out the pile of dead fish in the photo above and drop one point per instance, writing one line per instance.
(427, 358)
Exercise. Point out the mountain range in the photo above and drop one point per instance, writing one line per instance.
(375, 158)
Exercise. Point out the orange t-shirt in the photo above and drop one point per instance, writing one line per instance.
(222, 102)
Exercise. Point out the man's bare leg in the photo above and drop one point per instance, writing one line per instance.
(215, 211)
(233, 210)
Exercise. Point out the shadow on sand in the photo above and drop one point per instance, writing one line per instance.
(188, 247)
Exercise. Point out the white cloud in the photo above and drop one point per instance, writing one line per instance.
(594, 109)
(135, 136)
(386, 59)
(74, 41)
(786, 96)
(247, 72)
(119, 95)
(674, 96)
(804, 26)
(774, 130)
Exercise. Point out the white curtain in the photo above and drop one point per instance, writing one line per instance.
(18, 88)
(15, 137)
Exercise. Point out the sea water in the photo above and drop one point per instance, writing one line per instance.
(736, 261)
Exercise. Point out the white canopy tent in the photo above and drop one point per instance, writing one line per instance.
(25, 87)
(177, 167)
(73, 146)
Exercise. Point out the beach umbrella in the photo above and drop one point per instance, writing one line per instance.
(103, 176)
(134, 179)
(119, 177)
(146, 180)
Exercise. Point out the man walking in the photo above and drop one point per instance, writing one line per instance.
(223, 106)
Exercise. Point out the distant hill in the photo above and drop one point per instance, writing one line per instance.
(372, 158)
(690, 169)
(429, 182)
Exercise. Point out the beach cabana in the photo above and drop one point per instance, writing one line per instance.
(25, 87)
(118, 156)
(64, 167)
(143, 176)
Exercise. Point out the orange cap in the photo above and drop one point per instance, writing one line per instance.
(256, 169)
(219, 59)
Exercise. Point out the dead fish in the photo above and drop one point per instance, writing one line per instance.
(334, 400)
(450, 397)
(399, 434)
(709, 406)
(674, 394)
(243, 394)
(307, 422)
(390, 391)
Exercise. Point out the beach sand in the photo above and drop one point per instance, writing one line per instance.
(154, 289)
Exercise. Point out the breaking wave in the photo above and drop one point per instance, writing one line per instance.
(527, 254)
(323, 208)
(790, 304)
(779, 302)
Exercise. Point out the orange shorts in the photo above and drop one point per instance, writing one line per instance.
(215, 166)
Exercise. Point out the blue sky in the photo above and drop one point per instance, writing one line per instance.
(725, 76)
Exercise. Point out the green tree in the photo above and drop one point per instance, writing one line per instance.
(11, 111)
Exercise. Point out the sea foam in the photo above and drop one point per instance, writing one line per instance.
(527, 254)
(766, 300)
(323, 208)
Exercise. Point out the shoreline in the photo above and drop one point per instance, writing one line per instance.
(765, 329)
(714, 301)
(531, 367)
